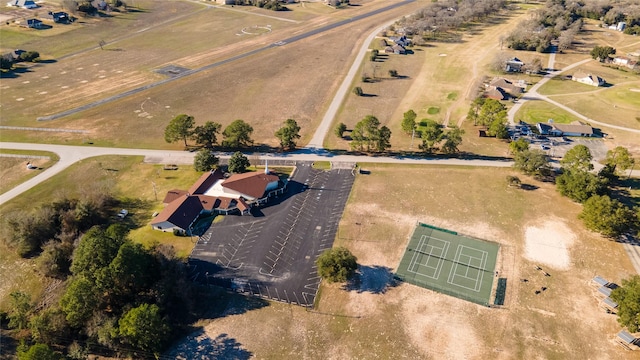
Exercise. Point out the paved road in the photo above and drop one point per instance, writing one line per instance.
(71, 154)
(324, 127)
(532, 94)
(223, 62)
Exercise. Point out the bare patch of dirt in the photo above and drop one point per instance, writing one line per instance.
(549, 243)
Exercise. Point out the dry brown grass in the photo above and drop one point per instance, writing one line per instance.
(411, 322)
(442, 75)
(264, 90)
(13, 171)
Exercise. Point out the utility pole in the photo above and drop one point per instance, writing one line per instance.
(413, 134)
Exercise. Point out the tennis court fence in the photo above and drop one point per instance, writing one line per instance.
(440, 289)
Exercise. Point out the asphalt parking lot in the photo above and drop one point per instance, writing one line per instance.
(272, 253)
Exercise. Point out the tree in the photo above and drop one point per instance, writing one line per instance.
(144, 328)
(601, 53)
(205, 160)
(358, 91)
(498, 127)
(607, 216)
(518, 146)
(38, 352)
(628, 298)
(337, 265)
(132, 270)
(366, 133)
(393, 73)
(578, 158)
(373, 55)
(514, 181)
(288, 134)
(179, 128)
(97, 249)
(474, 110)
(409, 121)
(207, 134)
(383, 141)
(237, 134)
(79, 301)
(340, 129)
(532, 162)
(238, 163)
(490, 111)
(19, 311)
(431, 135)
(580, 185)
(49, 325)
(619, 159)
(5, 63)
(30, 56)
(453, 138)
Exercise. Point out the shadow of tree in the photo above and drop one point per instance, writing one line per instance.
(200, 346)
(373, 279)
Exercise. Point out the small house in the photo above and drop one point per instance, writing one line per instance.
(60, 17)
(399, 49)
(588, 79)
(507, 87)
(627, 340)
(25, 4)
(514, 65)
(34, 24)
(496, 93)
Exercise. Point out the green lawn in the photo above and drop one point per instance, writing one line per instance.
(541, 111)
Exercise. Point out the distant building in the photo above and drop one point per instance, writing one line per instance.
(25, 4)
(34, 24)
(576, 128)
(60, 17)
(588, 79)
(514, 65)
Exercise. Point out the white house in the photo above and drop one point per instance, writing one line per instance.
(576, 128)
(25, 4)
(588, 79)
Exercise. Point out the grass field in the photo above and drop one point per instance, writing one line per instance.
(320, 63)
(440, 76)
(379, 218)
(542, 111)
(13, 170)
(376, 228)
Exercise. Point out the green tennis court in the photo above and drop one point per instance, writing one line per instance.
(444, 261)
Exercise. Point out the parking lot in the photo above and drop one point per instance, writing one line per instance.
(557, 146)
(272, 252)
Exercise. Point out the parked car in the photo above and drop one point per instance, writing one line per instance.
(123, 213)
(544, 147)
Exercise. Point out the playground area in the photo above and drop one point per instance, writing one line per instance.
(444, 261)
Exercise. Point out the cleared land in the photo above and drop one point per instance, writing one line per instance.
(440, 75)
(13, 166)
(272, 87)
(377, 318)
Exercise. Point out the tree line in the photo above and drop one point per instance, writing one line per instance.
(442, 16)
(236, 135)
(368, 135)
(600, 213)
(557, 20)
(118, 298)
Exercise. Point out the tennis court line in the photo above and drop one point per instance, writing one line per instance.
(481, 269)
(419, 253)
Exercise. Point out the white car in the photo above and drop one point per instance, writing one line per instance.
(123, 213)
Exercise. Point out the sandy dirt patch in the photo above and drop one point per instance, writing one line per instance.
(549, 243)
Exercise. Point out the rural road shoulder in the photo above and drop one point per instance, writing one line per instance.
(72, 154)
